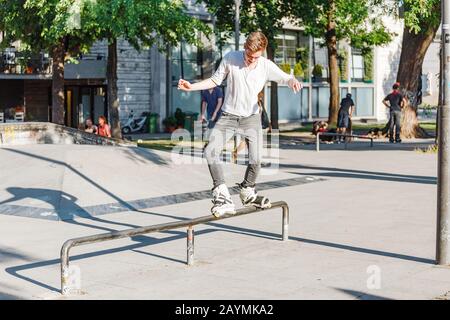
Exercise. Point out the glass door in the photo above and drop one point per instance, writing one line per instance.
(85, 106)
(84, 102)
(99, 103)
(71, 102)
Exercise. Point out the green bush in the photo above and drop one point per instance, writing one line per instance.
(180, 116)
(302, 56)
(298, 70)
(368, 66)
(170, 121)
(286, 67)
(343, 66)
(317, 71)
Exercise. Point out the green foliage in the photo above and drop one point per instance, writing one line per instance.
(286, 67)
(357, 21)
(420, 15)
(302, 56)
(265, 16)
(41, 24)
(170, 122)
(298, 70)
(317, 71)
(368, 66)
(343, 67)
(180, 116)
(44, 23)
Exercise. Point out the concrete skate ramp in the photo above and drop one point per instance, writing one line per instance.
(70, 181)
(49, 133)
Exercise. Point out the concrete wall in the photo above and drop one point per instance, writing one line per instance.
(134, 79)
(49, 133)
(386, 60)
(134, 76)
(430, 75)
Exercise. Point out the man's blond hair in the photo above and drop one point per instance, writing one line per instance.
(256, 41)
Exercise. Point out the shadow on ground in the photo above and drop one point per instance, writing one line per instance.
(144, 241)
(359, 174)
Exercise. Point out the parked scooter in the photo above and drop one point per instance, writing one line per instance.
(135, 124)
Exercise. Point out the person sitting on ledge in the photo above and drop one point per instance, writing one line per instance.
(90, 127)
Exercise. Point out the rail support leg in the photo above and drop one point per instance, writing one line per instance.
(285, 223)
(190, 246)
(65, 288)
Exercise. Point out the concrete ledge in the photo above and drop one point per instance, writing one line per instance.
(50, 133)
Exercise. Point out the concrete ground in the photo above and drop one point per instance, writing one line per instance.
(362, 225)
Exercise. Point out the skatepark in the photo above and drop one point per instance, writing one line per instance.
(362, 224)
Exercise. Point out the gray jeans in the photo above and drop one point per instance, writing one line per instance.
(249, 128)
(395, 121)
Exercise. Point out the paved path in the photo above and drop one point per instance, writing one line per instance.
(354, 214)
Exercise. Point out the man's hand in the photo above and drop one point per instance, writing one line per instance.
(295, 85)
(184, 85)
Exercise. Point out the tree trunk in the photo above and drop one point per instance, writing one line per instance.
(58, 83)
(273, 93)
(333, 108)
(113, 99)
(414, 48)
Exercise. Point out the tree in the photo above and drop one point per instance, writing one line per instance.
(265, 16)
(51, 26)
(143, 23)
(359, 22)
(421, 22)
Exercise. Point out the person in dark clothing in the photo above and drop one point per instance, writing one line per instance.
(211, 104)
(344, 115)
(395, 102)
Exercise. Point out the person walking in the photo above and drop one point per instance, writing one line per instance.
(247, 72)
(211, 104)
(395, 102)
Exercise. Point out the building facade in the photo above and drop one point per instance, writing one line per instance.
(147, 80)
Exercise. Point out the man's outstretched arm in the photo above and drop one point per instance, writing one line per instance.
(210, 83)
(278, 75)
(202, 85)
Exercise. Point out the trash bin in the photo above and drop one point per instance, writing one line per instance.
(189, 120)
(153, 123)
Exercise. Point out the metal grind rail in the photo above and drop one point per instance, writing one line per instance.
(69, 244)
(330, 134)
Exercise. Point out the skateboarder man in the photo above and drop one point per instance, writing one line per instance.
(247, 72)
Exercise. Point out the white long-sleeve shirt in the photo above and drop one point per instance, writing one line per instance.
(243, 84)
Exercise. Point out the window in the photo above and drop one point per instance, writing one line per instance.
(320, 56)
(230, 44)
(357, 65)
(363, 98)
(186, 62)
(287, 43)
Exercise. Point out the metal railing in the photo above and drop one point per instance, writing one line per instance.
(66, 288)
(332, 134)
